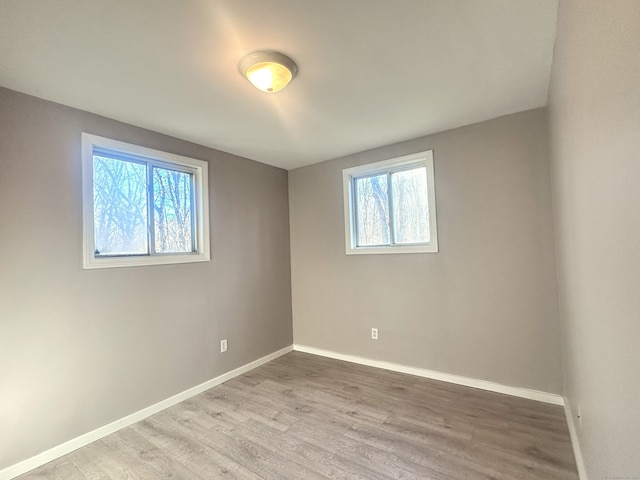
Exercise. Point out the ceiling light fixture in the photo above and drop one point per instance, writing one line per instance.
(268, 71)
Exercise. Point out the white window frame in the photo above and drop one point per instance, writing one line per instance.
(420, 159)
(198, 168)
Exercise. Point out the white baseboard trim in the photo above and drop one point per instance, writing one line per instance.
(582, 473)
(68, 447)
(444, 377)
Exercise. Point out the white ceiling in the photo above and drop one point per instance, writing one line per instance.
(371, 72)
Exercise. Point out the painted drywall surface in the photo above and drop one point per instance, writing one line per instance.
(594, 121)
(485, 306)
(81, 348)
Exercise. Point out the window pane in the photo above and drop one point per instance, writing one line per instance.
(119, 207)
(173, 211)
(372, 210)
(410, 207)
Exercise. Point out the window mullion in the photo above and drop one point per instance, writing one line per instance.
(392, 233)
(194, 214)
(354, 199)
(151, 231)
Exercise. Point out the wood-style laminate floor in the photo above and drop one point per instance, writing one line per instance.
(308, 417)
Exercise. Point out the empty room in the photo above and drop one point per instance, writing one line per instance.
(301, 239)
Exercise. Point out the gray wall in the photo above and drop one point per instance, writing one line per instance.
(484, 306)
(81, 348)
(594, 109)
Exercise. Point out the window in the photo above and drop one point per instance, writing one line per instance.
(389, 206)
(142, 206)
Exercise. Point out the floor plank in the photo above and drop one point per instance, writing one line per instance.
(308, 417)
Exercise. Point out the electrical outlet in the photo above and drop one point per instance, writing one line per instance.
(374, 333)
(223, 345)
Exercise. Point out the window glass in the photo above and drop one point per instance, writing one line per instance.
(410, 206)
(372, 214)
(119, 207)
(172, 211)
